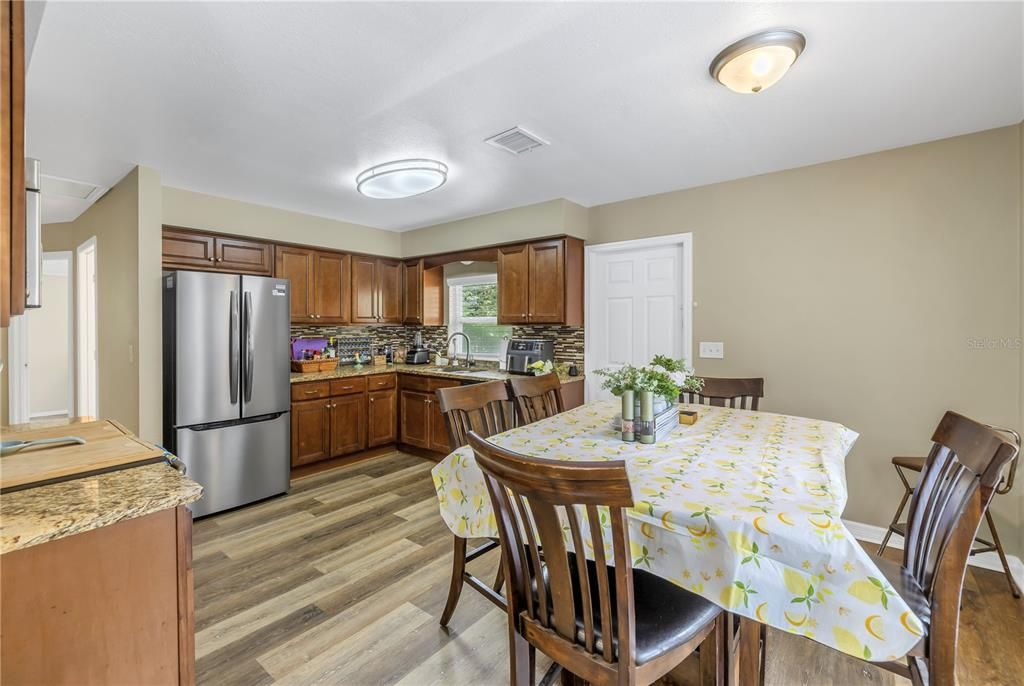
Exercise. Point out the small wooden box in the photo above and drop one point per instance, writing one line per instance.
(688, 417)
(309, 366)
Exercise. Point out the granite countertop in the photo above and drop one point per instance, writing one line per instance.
(473, 374)
(46, 513)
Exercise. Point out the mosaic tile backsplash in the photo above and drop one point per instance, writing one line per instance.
(568, 339)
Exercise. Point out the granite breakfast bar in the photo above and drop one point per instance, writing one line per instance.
(96, 579)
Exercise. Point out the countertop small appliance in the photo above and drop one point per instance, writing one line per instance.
(417, 356)
(522, 352)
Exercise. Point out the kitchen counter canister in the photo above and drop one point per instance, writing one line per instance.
(461, 373)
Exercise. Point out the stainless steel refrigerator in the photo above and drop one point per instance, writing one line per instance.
(226, 384)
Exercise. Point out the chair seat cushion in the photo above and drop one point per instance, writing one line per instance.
(667, 616)
(907, 587)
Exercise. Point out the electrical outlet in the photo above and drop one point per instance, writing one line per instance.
(712, 349)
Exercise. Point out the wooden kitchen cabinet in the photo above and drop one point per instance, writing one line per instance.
(414, 407)
(311, 431)
(298, 265)
(184, 249)
(319, 284)
(541, 282)
(12, 160)
(382, 417)
(513, 284)
(112, 605)
(438, 429)
(421, 423)
(423, 299)
(241, 256)
(348, 424)
(331, 279)
(376, 288)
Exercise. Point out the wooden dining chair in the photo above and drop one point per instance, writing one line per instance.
(486, 409)
(958, 481)
(601, 620)
(537, 397)
(742, 394)
(916, 464)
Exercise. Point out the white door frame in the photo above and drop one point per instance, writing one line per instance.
(19, 376)
(82, 368)
(19, 390)
(682, 240)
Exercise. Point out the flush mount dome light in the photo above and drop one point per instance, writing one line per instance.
(402, 178)
(757, 62)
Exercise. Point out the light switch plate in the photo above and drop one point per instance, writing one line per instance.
(712, 349)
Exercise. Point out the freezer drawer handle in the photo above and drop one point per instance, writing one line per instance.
(233, 347)
(249, 350)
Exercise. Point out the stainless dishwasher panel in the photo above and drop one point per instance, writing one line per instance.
(237, 463)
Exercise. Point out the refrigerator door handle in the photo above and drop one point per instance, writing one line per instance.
(249, 351)
(233, 360)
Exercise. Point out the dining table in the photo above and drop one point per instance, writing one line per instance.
(742, 508)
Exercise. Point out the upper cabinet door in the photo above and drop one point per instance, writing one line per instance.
(364, 290)
(299, 267)
(412, 289)
(332, 285)
(389, 276)
(185, 250)
(513, 284)
(242, 256)
(547, 282)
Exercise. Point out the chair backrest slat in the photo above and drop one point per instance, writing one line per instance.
(584, 577)
(540, 498)
(964, 465)
(537, 397)
(741, 394)
(484, 408)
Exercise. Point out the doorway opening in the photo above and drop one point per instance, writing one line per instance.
(42, 348)
(86, 308)
(639, 303)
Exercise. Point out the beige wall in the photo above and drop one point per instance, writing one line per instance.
(543, 219)
(114, 221)
(855, 286)
(201, 211)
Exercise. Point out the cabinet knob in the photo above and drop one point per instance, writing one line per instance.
(523, 316)
(220, 259)
(211, 259)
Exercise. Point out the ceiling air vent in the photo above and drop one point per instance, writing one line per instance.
(516, 141)
(69, 188)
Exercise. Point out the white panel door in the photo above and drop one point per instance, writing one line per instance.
(635, 303)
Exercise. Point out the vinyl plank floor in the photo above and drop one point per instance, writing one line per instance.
(342, 581)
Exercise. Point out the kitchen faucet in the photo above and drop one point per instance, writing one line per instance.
(469, 355)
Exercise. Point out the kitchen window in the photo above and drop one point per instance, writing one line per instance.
(473, 310)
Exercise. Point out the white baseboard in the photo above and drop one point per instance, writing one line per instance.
(870, 533)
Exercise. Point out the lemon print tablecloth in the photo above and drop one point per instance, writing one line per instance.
(742, 508)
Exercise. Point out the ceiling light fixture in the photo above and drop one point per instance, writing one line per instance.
(402, 178)
(757, 62)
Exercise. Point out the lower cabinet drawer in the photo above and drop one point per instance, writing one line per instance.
(310, 391)
(381, 382)
(356, 384)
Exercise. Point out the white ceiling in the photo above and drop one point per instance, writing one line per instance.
(283, 104)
